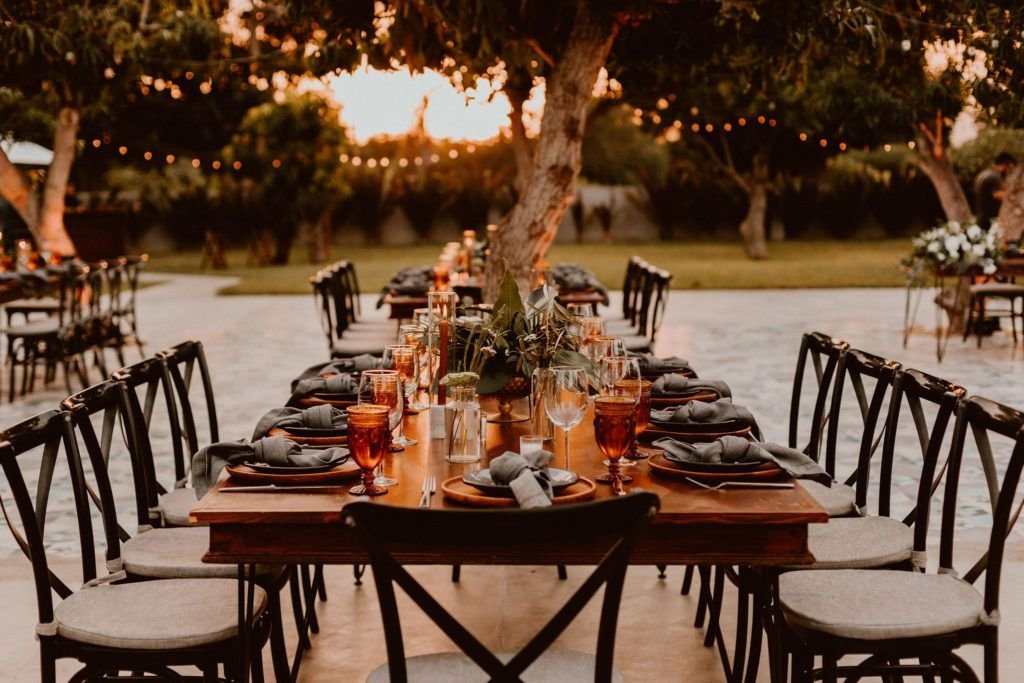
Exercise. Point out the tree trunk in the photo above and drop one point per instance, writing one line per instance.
(934, 163)
(752, 229)
(14, 188)
(526, 233)
(51, 219)
(520, 143)
(1011, 213)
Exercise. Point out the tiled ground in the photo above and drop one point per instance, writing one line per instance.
(255, 345)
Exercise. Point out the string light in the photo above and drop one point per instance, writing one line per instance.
(122, 150)
(403, 162)
(196, 163)
(371, 163)
(216, 164)
(803, 137)
(276, 163)
(385, 162)
(147, 156)
(96, 143)
(169, 158)
(237, 165)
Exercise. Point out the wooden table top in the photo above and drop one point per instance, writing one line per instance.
(755, 526)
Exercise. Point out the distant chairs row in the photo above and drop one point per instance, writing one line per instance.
(159, 605)
(336, 296)
(645, 290)
(94, 310)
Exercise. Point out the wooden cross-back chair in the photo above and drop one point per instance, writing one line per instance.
(900, 615)
(615, 524)
(184, 361)
(108, 625)
(824, 353)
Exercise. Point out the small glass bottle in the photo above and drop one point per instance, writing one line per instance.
(462, 425)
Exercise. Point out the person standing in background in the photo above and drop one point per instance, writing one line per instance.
(989, 190)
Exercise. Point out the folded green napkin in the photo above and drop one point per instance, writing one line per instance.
(527, 476)
(318, 417)
(338, 366)
(735, 449)
(649, 363)
(208, 462)
(678, 385)
(701, 412)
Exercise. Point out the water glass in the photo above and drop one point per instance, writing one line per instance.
(368, 436)
(565, 398)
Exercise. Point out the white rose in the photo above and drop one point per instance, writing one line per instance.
(978, 249)
(989, 268)
(954, 225)
(933, 247)
(952, 245)
(974, 232)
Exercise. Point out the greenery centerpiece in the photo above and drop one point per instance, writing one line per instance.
(955, 248)
(518, 337)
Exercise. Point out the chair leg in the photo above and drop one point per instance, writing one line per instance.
(715, 607)
(357, 573)
(687, 580)
(702, 595)
(278, 651)
(297, 613)
(310, 595)
(319, 582)
(562, 573)
(992, 661)
(661, 570)
(456, 573)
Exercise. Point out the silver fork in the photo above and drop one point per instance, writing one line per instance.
(427, 490)
(741, 484)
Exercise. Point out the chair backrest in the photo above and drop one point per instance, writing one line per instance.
(824, 353)
(645, 299)
(613, 525)
(182, 362)
(629, 287)
(107, 405)
(931, 403)
(984, 420)
(31, 450)
(870, 379)
(355, 305)
(662, 286)
(323, 303)
(152, 378)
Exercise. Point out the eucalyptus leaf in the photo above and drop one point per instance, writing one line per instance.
(492, 382)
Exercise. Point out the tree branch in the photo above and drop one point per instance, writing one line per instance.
(535, 46)
(727, 167)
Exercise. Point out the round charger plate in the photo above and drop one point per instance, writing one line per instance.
(655, 374)
(671, 400)
(481, 479)
(458, 491)
(653, 433)
(342, 472)
(294, 469)
(312, 437)
(336, 400)
(662, 466)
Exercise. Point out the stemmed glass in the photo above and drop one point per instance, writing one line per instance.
(368, 435)
(381, 387)
(613, 428)
(620, 376)
(565, 398)
(591, 327)
(643, 416)
(414, 335)
(402, 358)
(599, 346)
(581, 310)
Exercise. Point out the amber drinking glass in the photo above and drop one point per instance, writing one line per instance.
(602, 345)
(402, 359)
(369, 433)
(382, 387)
(643, 413)
(613, 428)
(620, 376)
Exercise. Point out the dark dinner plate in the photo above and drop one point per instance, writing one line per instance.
(315, 433)
(481, 479)
(713, 466)
(325, 396)
(700, 427)
(292, 469)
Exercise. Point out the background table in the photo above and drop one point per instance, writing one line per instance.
(730, 526)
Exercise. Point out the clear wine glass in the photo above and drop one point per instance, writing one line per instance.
(599, 346)
(581, 310)
(381, 387)
(402, 358)
(565, 398)
(415, 335)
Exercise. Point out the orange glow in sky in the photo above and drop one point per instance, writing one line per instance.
(385, 103)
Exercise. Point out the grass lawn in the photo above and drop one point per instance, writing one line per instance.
(700, 265)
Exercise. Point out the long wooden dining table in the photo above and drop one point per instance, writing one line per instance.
(758, 527)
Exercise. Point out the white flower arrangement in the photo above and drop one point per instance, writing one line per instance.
(954, 247)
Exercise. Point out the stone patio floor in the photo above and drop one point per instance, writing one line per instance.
(255, 345)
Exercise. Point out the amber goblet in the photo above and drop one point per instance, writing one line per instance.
(643, 414)
(613, 430)
(369, 434)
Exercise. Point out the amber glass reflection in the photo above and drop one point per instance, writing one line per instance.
(369, 435)
(643, 414)
(613, 428)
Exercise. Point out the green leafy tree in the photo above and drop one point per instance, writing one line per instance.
(286, 156)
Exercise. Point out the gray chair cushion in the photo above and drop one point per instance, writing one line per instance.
(176, 504)
(998, 289)
(177, 553)
(859, 543)
(878, 604)
(636, 342)
(153, 615)
(558, 666)
(36, 328)
(839, 499)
